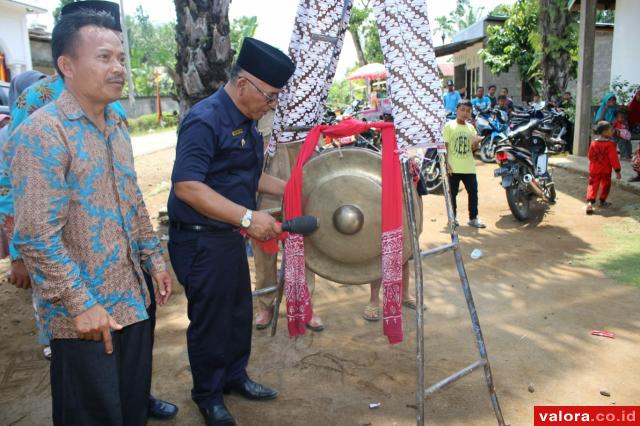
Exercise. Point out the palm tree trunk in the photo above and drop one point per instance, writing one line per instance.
(204, 53)
(555, 29)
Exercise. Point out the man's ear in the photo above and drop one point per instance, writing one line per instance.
(241, 85)
(65, 66)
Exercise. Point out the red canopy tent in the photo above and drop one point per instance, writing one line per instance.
(373, 71)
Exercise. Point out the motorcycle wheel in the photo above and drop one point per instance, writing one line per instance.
(433, 179)
(488, 151)
(550, 192)
(518, 201)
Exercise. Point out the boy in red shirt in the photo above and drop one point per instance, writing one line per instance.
(602, 159)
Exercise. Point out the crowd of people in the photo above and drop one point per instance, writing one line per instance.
(612, 123)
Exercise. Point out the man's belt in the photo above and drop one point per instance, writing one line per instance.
(181, 226)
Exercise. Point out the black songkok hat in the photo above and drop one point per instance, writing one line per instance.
(265, 62)
(101, 6)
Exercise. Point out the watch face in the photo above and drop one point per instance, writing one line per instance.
(245, 223)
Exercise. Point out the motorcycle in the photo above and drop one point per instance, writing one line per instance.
(430, 173)
(554, 130)
(491, 125)
(553, 127)
(523, 159)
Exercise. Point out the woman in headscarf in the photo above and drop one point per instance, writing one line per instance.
(20, 82)
(633, 113)
(607, 110)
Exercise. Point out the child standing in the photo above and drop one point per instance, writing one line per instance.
(602, 159)
(622, 134)
(461, 139)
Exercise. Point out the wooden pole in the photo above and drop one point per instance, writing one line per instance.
(127, 55)
(582, 134)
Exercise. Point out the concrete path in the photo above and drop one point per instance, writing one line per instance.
(153, 142)
(581, 165)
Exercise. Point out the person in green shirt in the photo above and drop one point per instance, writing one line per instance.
(462, 139)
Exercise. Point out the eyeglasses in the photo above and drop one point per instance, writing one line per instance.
(267, 97)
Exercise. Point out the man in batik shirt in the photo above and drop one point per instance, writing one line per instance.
(84, 233)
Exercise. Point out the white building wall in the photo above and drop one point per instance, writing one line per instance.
(625, 63)
(14, 40)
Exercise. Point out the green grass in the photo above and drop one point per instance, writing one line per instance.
(146, 124)
(620, 259)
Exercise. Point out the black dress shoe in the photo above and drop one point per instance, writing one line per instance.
(163, 410)
(251, 390)
(218, 415)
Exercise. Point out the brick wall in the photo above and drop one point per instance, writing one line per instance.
(601, 65)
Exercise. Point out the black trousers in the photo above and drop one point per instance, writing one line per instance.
(213, 268)
(470, 182)
(91, 388)
(151, 310)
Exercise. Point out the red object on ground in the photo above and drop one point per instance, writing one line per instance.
(609, 334)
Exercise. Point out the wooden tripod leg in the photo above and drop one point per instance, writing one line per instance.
(279, 291)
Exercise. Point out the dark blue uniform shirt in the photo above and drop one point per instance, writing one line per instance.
(219, 146)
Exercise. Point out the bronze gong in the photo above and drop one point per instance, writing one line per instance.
(343, 189)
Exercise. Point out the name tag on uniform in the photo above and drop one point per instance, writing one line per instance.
(237, 132)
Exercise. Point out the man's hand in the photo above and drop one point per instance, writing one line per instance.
(263, 226)
(19, 275)
(163, 287)
(96, 324)
(618, 176)
(449, 169)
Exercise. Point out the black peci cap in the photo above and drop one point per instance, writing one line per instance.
(265, 62)
(101, 6)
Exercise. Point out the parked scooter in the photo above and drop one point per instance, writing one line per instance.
(491, 125)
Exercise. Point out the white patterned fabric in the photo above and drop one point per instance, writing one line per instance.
(413, 80)
(318, 35)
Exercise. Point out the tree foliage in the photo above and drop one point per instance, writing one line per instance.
(606, 16)
(57, 10)
(463, 16)
(540, 37)
(244, 26)
(557, 44)
(364, 32)
(152, 49)
(515, 43)
(356, 21)
(339, 95)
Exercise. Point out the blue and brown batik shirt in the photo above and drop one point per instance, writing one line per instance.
(81, 225)
(30, 100)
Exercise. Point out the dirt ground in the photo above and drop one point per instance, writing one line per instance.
(537, 307)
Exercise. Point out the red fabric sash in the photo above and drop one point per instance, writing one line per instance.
(298, 301)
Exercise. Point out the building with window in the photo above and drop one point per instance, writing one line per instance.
(15, 52)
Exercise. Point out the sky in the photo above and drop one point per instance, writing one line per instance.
(275, 18)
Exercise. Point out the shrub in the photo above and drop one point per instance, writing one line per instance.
(149, 122)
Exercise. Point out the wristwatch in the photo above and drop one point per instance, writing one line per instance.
(245, 222)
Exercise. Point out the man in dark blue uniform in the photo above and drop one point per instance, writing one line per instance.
(216, 175)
